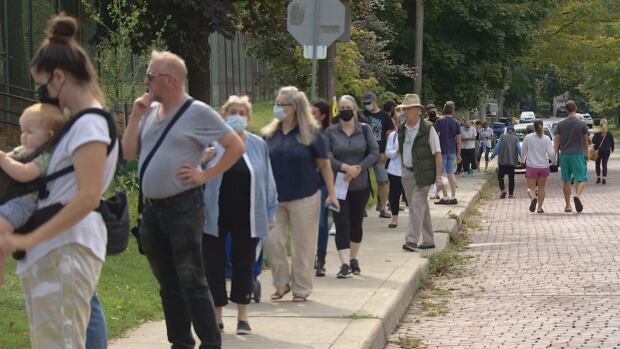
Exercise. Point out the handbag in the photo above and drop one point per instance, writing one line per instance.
(114, 210)
(593, 153)
(135, 231)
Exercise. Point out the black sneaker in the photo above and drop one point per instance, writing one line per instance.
(345, 272)
(453, 201)
(221, 327)
(604, 181)
(598, 180)
(410, 247)
(426, 247)
(355, 267)
(243, 328)
(443, 201)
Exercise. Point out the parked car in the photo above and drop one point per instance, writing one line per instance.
(587, 119)
(498, 128)
(527, 117)
(561, 112)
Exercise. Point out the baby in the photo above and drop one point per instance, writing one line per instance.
(38, 124)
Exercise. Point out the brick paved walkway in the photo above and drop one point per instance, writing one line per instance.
(531, 281)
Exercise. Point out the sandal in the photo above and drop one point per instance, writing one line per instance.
(540, 210)
(299, 299)
(278, 295)
(568, 209)
(392, 225)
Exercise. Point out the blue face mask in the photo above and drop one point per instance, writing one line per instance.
(237, 122)
(279, 113)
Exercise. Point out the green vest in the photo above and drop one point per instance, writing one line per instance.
(422, 155)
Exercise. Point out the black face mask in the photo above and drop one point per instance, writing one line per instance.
(346, 115)
(44, 95)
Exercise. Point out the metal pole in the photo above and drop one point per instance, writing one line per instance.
(314, 48)
(419, 37)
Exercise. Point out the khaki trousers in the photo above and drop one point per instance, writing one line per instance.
(302, 216)
(58, 289)
(420, 229)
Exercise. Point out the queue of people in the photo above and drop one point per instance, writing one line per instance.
(205, 180)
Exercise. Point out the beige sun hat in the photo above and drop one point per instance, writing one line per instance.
(410, 100)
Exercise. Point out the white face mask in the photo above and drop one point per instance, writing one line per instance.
(237, 122)
(279, 113)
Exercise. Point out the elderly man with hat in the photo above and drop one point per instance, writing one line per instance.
(508, 151)
(422, 166)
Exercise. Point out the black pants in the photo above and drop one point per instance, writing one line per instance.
(242, 258)
(395, 193)
(510, 171)
(171, 235)
(486, 151)
(603, 157)
(469, 159)
(349, 220)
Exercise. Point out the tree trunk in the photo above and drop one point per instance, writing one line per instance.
(500, 105)
(199, 74)
(327, 74)
(419, 40)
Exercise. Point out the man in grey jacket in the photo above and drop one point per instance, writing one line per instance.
(508, 151)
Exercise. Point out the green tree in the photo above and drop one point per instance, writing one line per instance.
(188, 24)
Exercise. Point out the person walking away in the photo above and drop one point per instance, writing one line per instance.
(381, 125)
(486, 137)
(352, 149)
(171, 230)
(395, 172)
(507, 151)
(422, 166)
(65, 255)
(449, 131)
(298, 158)
(537, 155)
(321, 113)
(241, 203)
(468, 150)
(603, 142)
(571, 142)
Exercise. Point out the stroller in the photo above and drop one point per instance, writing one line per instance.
(258, 267)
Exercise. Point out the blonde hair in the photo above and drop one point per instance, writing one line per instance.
(243, 101)
(308, 126)
(603, 125)
(351, 99)
(172, 63)
(47, 115)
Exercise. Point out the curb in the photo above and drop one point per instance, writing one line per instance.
(381, 324)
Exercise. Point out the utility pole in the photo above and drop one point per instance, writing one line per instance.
(327, 74)
(419, 38)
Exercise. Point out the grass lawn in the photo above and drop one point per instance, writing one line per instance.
(127, 289)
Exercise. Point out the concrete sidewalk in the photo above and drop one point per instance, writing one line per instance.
(355, 313)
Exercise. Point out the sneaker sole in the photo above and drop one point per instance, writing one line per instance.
(244, 332)
(343, 276)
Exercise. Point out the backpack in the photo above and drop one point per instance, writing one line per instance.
(114, 210)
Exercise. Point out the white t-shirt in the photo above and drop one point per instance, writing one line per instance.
(468, 133)
(538, 151)
(486, 134)
(395, 167)
(90, 232)
(410, 134)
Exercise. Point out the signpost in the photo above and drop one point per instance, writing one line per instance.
(316, 24)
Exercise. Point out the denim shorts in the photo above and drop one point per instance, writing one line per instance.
(17, 211)
(381, 172)
(449, 163)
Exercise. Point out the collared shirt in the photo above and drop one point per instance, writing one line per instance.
(410, 134)
(294, 166)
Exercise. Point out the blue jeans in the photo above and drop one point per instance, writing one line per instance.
(97, 333)
(321, 245)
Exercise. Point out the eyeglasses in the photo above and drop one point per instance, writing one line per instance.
(151, 77)
(283, 104)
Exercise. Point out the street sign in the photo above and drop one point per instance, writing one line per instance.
(321, 52)
(330, 24)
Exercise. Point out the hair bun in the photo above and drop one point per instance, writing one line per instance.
(62, 28)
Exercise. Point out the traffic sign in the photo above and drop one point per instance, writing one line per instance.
(312, 27)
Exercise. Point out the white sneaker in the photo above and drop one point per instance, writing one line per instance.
(332, 230)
